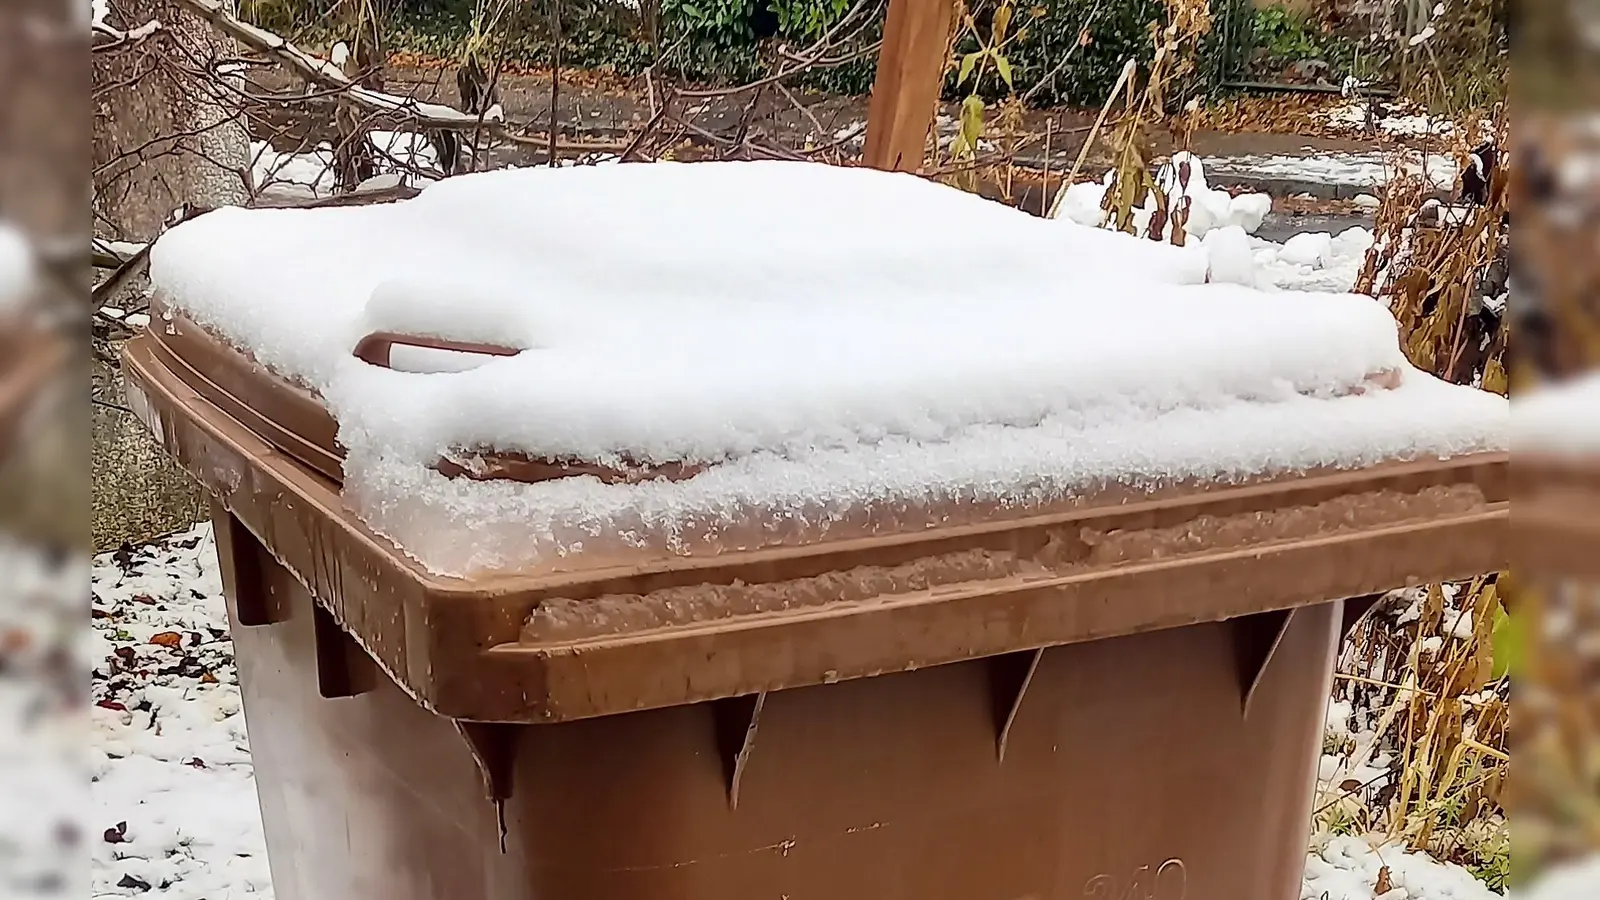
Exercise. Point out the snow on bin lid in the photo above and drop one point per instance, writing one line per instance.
(813, 341)
(1562, 418)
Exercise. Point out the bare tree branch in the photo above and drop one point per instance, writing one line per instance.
(324, 73)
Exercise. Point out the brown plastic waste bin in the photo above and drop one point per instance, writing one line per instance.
(1556, 531)
(1120, 699)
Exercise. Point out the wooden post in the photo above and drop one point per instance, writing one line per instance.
(910, 74)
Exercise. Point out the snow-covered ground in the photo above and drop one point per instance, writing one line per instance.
(173, 797)
(42, 658)
(173, 810)
(1397, 121)
(1366, 171)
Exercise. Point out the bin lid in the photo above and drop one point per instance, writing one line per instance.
(693, 359)
(614, 635)
(1556, 479)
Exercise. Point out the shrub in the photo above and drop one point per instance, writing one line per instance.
(721, 41)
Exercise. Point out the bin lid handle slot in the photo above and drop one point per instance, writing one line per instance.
(426, 355)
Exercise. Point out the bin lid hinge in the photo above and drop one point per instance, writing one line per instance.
(736, 720)
(1009, 677)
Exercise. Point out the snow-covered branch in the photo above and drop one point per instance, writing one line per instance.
(325, 74)
(109, 37)
(108, 254)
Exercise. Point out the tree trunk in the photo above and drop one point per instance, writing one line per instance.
(43, 124)
(166, 133)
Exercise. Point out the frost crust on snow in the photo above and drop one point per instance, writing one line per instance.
(823, 337)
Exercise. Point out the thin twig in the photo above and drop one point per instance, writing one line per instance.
(1049, 127)
(122, 277)
(555, 79)
(1088, 142)
(748, 116)
(109, 405)
(649, 127)
(1350, 793)
(1359, 679)
(1066, 57)
(804, 110)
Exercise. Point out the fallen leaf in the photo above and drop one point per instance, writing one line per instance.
(111, 705)
(196, 763)
(207, 678)
(117, 834)
(128, 881)
(1384, 884)
(169, 639)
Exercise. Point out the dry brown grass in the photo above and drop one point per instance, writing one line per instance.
(1430, 264)
(1143, 107)
(1556, 791)
(1425, 761)
(1430, 745)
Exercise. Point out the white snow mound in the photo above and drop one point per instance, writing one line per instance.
(826, 338)
(1208, 208)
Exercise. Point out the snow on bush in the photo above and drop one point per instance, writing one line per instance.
(1209, 208)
